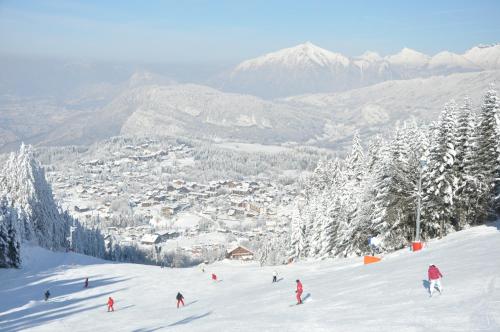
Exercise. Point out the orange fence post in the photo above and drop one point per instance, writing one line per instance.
(371, 259)
(416, 246)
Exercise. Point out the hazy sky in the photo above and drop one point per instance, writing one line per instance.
(207, 31)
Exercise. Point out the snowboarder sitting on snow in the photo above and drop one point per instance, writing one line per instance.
(111, 302)
(275, 276)
(214, 277)
(299, 291)
(47, 295)
(434, 279)
(180, 299)
(86, 284)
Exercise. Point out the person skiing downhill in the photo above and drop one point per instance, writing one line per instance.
(275, 276)
(299, 291)
(180, 299)
(86, 284)
(47, 295)
(434, 279)
(214, 277)
(111, 302)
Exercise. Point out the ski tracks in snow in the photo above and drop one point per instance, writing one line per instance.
(487, 312)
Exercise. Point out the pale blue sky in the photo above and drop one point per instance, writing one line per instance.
(218, 31)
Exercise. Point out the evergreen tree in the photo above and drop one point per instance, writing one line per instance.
(395, 190)
(297, 234)
(351, 196)
(29, 191)
(470, 189)
(355, 161)
(441, 181)
(10, 253)
(32, 214)
(488, 155)
(347, 202)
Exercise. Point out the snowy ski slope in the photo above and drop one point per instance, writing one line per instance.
(344, 294)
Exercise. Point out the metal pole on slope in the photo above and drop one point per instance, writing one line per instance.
(417, 245)
(419, 203)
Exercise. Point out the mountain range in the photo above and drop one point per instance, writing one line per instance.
(331, 96)
(307, 68)
(326, 120)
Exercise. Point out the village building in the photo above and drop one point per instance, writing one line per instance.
(240, 253)
(82, 208)
(150, 239)
(167, 235)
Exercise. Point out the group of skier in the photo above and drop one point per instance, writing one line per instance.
(433, 274)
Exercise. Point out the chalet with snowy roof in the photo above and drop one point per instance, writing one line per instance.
(150, 239)
(199, 195)
(240, 253)
(82, 208)
(160, 198)
(178, 183)
(167, 234)
(241, 190)
(231, 184)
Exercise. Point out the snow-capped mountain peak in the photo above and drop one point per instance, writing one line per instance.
(302, 55)
(451, 60)
(409, 57)
(370, 56)
(308, 68)
(485, 56)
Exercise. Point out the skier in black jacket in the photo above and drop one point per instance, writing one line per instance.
(180, 299)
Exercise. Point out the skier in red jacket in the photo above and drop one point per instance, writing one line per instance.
(434, 279)
(111, 302)
(299, 292)
(214, 277)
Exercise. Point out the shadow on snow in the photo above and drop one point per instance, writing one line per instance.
(426, 284)
(26, 307)
(190, 319)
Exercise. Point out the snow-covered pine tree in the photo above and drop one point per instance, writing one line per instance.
(273, 249)
(440, 181)
(331, 208)
(38, 218)
(88, 241)
(395, 190)
(374, 154)
(24, 180)
(488, 154)
(470, 189)
(371, 196)
(460, 180)
(311, 227)
(355, 161)
(319, 206)
(313, 209)
(10, 251)
(355, 172)
(297, 233)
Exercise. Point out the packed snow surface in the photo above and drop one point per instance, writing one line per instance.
(342, 295)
